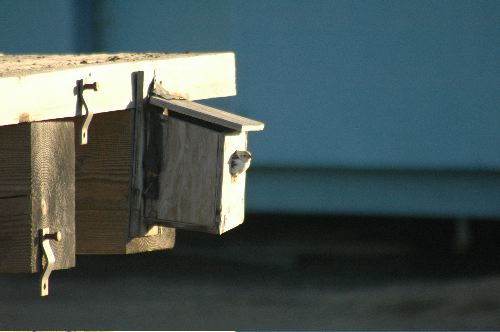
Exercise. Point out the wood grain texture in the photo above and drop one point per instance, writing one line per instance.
(15, 235)
(188, 177)
(103, 180)
(16, 227)
(53, 187)
(196, 191)
(137, 228)
(164, 239)
(52, 93)
(101, 231)
(37, 190)
(209, 114)
(15, 160)
(102, 185)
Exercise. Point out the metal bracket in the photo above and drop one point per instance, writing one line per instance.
(50, 259)
(88, 115)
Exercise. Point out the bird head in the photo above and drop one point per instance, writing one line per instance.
(244, 155)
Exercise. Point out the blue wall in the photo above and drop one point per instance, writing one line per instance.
(385, 84)
(355, 92)
(37, 26)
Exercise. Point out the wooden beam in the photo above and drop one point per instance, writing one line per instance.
(35, 88)
(209, 114)
(103, 180)
(37, 190)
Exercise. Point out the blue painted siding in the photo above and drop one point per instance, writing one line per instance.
(374, 192)
(373, 107)
(385, 84)
(29, 26)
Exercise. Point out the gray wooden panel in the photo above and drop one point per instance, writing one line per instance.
(209, 114)
(15, 235)
(36, 190)
(102, 185)
(15, 160)
(136, 226)
(53, 186)
(188, 180)
(103, 175)
(15, 199)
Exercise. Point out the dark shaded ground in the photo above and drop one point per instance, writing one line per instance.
(278, 273)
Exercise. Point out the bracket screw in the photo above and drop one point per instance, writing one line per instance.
(57, 236)
(91, 86)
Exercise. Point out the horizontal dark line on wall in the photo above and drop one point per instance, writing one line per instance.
(370, 169)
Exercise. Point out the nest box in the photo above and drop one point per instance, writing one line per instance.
(189, 184)
(89, 165)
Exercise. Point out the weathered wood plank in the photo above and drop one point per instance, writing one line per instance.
(209, 114)
(15, 199)
(102, 185)
(100, 231)
(53, 186)
(188, 180)
(196, 190)
(137, 227)
(15, 161)
(103, 179)
(17, 65)
(37, 190)
(163, 239)
(15, 234)
(35, 93)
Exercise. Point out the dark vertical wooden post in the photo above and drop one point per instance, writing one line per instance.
(136, 226)
(103, 189)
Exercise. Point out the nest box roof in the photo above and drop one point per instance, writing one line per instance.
(208, 114)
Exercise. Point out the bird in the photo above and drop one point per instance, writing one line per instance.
(239, 163)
